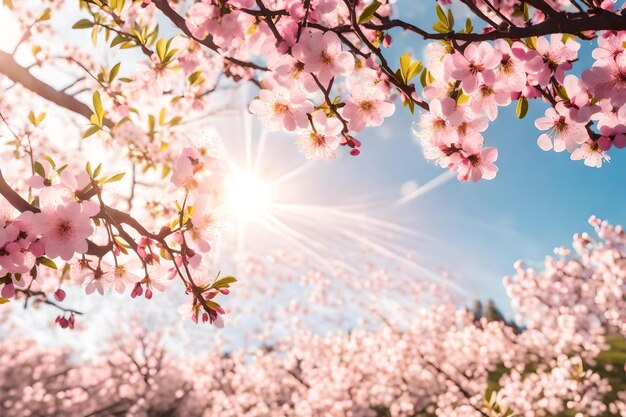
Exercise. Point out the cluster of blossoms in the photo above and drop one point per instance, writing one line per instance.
(326, 77)
(323, 74)
(68, 215)
(470, 83)
(297, 94)
(566, 359)
(56, 229)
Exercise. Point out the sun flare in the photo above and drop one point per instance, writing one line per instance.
(248, 196)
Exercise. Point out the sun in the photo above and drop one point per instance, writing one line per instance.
(248, 197)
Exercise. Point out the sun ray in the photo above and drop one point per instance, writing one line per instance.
(307, 241)
(291, 174)
(420, 268)
(359, 218)
(431, 185)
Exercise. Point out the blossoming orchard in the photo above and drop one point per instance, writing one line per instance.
(149, 178)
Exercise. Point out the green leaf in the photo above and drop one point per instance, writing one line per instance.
(39, 169)
(522, 107)
(193, 78)
(405, 63)
(414, 69)
(97, 106)
(162, 116)
(211, 304)
(90, 131)
(526, 14)
(462, 99)
(161, 48)
(97, 171)
(450, 19)
(531, 42)
(114, 71)
(83, 24)
(468, 26)
(424, 77)
(411, 106)
(44, 16)
(115, 178)
(48, 262)
(561, 92)
(224, 282)
(368, 12)
(3, 300)
(441, 15)
(175, 120)
(117, 40)
(441, 27)
(52, 163)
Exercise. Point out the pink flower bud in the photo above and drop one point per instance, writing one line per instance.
(8, 291)
(148, 293)
(604, 143)
(620, 140)
(59, 295)
(387, 41)
(137, 291)
(37, 249)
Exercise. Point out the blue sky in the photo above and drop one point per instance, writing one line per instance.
(537, 201)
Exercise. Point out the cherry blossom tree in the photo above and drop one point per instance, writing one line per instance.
(564, 357)
(321, 70)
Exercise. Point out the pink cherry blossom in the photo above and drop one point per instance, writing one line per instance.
(562, 134)
(323, 141)
(322, 55)
(475, 65)
(281, 108)
(474, 163)
(64, 229)
(367, 106)
(591, 153)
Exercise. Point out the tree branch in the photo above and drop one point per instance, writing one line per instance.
(20, 75)
(180, 22)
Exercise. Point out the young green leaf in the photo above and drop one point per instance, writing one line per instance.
(83, 24)
(161, 48)
(114, 71)
(49, 263)
(522, 107)
(97, 107)
(93, 129)
(368, 12)
(441, 15)
(44, 16)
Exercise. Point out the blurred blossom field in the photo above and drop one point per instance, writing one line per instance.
(312, 208)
